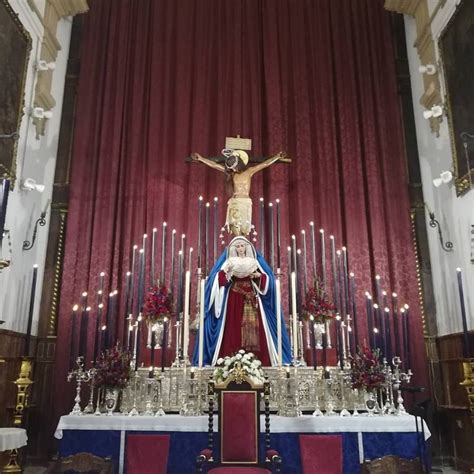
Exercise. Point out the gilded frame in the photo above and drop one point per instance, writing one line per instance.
(15, 48)
(456, 46)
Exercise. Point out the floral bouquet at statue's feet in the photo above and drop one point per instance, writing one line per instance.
(241, 365)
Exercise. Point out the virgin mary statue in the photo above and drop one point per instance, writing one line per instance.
(240, 308)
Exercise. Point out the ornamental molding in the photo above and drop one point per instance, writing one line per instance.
(54, 12)
(426, 48)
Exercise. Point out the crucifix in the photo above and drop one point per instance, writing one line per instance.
(235, 164)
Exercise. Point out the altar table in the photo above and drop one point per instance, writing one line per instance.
(363, 437)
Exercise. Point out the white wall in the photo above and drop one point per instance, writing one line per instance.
(455, 214)
(36, 158)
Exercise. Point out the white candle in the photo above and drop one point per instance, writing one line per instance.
(153, 256)
(201, 324)
(187, 286)
(323, 257)
(278, 316)
(295, 318)
(163, 254)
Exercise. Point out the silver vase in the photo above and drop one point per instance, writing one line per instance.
(111, 399)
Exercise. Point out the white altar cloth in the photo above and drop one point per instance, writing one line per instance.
(278, 424)
(12, 438)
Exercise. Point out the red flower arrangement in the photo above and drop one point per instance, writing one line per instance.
(318, 304)
(113, 368)
(158, 304)
(367, 370)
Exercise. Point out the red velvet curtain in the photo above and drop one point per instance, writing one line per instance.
(162, 78)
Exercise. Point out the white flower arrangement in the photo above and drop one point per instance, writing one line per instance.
(242, 363)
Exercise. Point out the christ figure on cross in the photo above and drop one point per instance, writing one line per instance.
(239, 174)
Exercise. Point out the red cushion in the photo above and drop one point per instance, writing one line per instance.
(147, 453)
(239, 470)
(239, 427)
(321, 454)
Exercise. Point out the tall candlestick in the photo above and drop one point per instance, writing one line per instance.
(289, 278)
(298, 281)
(108, 319)
(345, 277)
(72, 344)
(145, 241)
(81, 323)
(383, 333)
(313, 341)
(101, 285)
(293, 250)
(261, 231)
(97, 338)
(152, 348)
(199, 232)
(173, 236)
(294, 315)
(370, 320)
(138, 336)
(278, 316)
(406, 343)
(163, 254)
(340, 283)
(132, 281)
(127, 313)
(466, 344)
(153, 257)
(201, 322)
(207, 239)
(187, 287)
(30, 311)
(214, 247)
(270, 231)
(305, 269)
(190, 260)
(141, 282)
(387, 334)
(313, 250)
(180, 284)
(83, 333)
(323, 257)
(376, 315)
(164, 344)
(354, 310)
(278, 233)
(333, 270)
(396, 330)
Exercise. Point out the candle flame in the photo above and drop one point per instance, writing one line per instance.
(387, 310)
(102, 274)
(311, 223)
(190, 249)
(298, 251)
(338, 253)
(104, 327)
(261, 199)
(344, 249)
(458, 270)
(394, 295)
(183, 236)
(84, 294)
(270, 204)
(135, 247)
(376, 306)
(164, 224)
(376, 330)
(155, 230)
(75, 307)
(321, 231)
(129, 273)
(115, 292)
(293, 237)
(145, 236)
(111, 294)
(384, 293)
(207, 204)
(174, 231)
(216, 199)
(88, 308)
(406, 306)
(141, 251)
(101, 305)
(303, 232)
(351, 275)
(200, 198)
(277, 201)
(289, 249)
(35, 265)
(377, 277)
(402, 310)
(99, 292)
